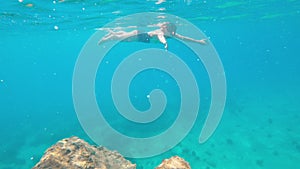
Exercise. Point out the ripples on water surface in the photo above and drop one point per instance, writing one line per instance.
(72, 14)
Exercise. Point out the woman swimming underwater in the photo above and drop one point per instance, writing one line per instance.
(166, 30)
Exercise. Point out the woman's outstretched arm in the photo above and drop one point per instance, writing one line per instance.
(185, 38)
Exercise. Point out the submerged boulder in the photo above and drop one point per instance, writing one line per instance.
(174, 162)
(75, 153)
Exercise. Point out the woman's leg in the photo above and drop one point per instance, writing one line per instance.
(118, 36)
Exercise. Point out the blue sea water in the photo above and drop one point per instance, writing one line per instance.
(258, 44)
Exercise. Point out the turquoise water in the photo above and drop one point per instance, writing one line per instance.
(258, 43)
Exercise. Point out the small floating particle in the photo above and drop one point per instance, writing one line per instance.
(148, 96)
(161, 17)
(83, 9)
(29, 5)
(116, 12)
(56, 27)
(31, 158)
(20, 1)
(161, 9)
(54, 2)
(160, 1)
(1, 80)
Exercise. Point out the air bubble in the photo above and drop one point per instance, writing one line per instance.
(56, 27)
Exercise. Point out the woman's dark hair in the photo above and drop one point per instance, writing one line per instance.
(171, 27)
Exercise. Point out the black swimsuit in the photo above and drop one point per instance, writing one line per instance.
(144, 37)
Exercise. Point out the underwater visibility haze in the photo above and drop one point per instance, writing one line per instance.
(257, 43)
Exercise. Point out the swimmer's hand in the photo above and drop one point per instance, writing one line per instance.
(166, 46)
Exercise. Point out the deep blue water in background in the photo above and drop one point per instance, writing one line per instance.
(258, 43)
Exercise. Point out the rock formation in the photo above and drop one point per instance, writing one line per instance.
(174, 162)
(74, 153)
